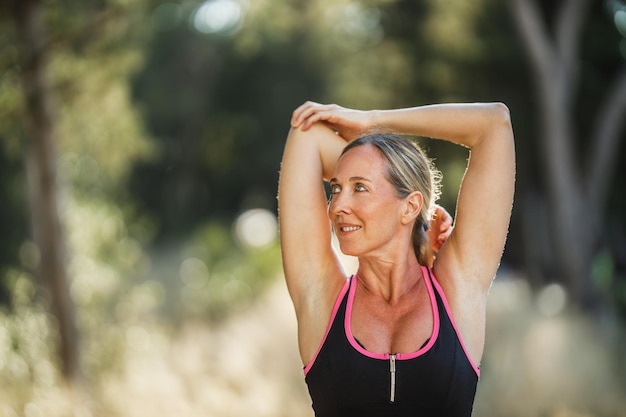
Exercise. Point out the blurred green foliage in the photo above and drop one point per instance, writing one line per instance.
(26, 360)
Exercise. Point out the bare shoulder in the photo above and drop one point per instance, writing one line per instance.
(314, 314)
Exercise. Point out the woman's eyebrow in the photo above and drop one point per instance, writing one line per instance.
(351, 179)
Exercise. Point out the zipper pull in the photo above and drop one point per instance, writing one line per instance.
(392, 371)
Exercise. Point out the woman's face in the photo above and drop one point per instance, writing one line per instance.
(364, 209)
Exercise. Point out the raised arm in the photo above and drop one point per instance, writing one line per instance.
(309, 262)
(474, 249)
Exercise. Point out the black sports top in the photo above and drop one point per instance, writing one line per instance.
(345, 380)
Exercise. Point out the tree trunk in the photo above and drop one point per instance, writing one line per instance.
(577, 196)
(42, 176)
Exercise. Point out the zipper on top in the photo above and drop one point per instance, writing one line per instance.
(392, 372)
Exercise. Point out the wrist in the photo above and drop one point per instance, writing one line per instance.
(374, 120)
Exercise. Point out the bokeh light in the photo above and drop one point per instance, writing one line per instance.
(256, 228)
(551, 300)
(620, 21)
(194, 273)
(356, 25)
(138, 338)
(222, 17)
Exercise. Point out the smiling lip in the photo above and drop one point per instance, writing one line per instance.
(348, 228)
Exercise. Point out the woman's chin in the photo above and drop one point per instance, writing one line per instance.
(349, 251)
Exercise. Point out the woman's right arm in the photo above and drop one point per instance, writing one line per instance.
(309, 261)
(311, 152)
(312, 269)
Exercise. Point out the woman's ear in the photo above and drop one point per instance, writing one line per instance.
(413, 207)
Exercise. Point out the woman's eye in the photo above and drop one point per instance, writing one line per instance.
(360, 187)
(334, 189)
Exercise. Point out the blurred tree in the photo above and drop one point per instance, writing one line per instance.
(41, 163)
(65, 111)
(578, 176)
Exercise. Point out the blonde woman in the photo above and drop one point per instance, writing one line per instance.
(404, 335)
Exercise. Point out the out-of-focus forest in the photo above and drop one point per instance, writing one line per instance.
(140, 145)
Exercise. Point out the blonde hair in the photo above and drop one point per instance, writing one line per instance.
(408, 170)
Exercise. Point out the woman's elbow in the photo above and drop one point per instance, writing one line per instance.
(501, 115)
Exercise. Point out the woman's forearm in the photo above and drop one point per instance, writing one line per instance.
(464, 123)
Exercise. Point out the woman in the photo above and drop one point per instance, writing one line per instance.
(399, 338)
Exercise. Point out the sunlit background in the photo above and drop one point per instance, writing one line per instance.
(152, 133)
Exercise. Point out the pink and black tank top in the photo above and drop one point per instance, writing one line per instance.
(345, 380)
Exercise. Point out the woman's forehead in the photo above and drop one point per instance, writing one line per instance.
(361, 160)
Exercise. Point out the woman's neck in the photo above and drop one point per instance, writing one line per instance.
(389, 280)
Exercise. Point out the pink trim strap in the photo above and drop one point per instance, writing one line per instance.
(351, 286)
(345, 287)
(456, 329)
(399, 356)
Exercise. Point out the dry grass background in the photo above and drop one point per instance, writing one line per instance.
(243, 365)
(248, 365)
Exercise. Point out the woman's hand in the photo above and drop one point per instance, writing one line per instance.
(440, 228)
(348, 123)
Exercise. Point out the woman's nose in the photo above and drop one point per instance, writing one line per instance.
(339, 204)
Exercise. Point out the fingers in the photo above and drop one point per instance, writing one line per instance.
(347, 123)
(442, 218)
(303, 112)
(446, 222)
(309, 113)
(441, 226)
(445, 228)
(314, 117)
(444, 234)
(297, 115)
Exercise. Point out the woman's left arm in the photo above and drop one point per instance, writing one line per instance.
(472, 253)
(468, 261)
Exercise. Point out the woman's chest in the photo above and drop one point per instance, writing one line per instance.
(402, 328)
